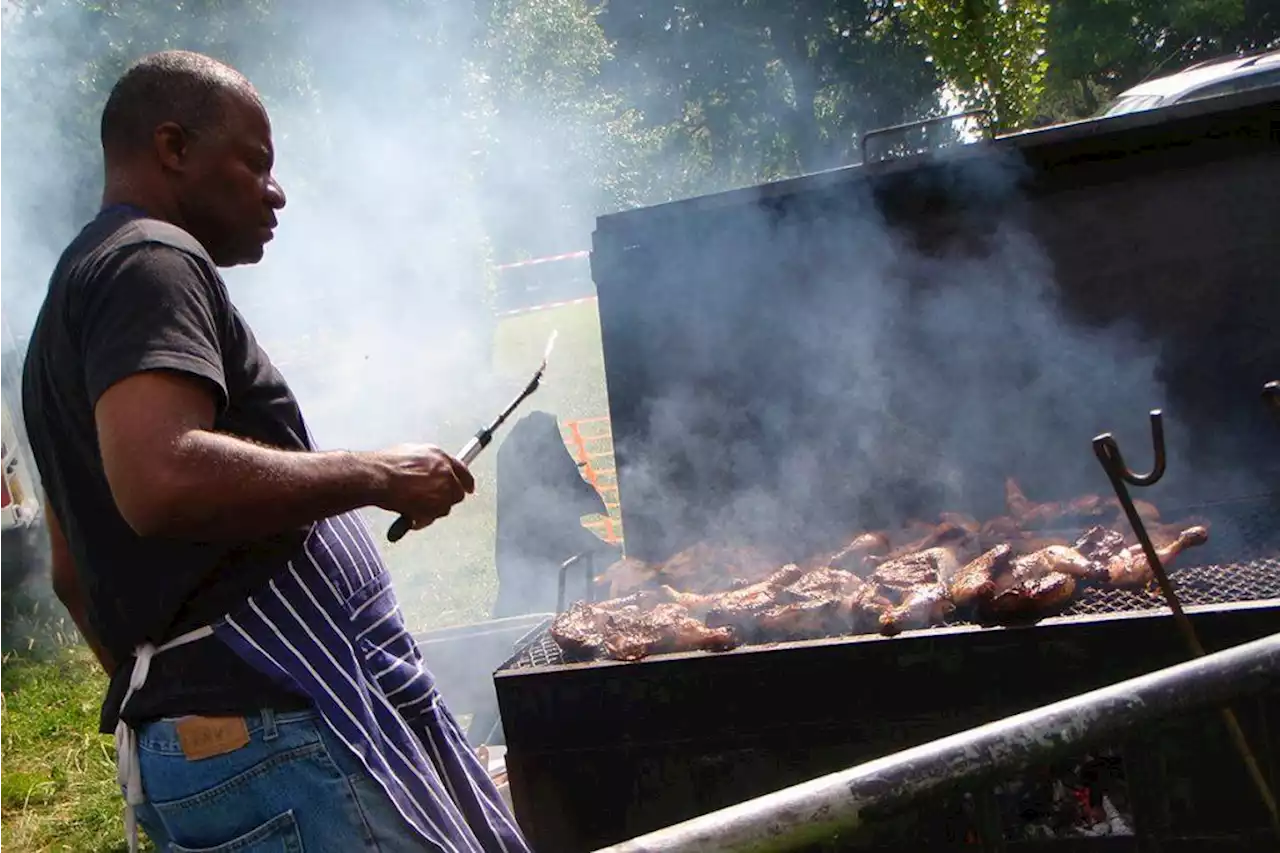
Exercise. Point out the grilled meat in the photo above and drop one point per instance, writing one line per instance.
(1030, 598)
(711, 568)
(626, 576)
(752, 598)
(822, 603)
(932, 565)
(579, 631)
(822, 616)
(1088, 507)
(1100, 544)
(945, 534)
(1016, 567)
(1130, 567)
(854, 556)
(631, 633)
(823, 583)
(967, 523)
(977, 580)
(1056, 558)
(922, 604)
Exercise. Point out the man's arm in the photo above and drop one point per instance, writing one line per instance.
(171, 476)
(66, 585)
(153, 353)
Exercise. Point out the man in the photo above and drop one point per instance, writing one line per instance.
(264, 689)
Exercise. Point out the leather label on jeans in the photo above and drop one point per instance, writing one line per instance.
(205, 737)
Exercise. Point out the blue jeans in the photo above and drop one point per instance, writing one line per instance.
(293, 788)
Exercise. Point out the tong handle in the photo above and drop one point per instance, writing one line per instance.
(470, 451)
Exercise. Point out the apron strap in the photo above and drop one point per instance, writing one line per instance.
(127, 772)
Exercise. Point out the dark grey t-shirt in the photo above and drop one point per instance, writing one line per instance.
(133, 294)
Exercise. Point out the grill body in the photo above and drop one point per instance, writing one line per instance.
(603, 751)
(737, 330)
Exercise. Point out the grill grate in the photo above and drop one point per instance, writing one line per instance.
(1257, 580)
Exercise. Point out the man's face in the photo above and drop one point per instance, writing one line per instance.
(226, 193)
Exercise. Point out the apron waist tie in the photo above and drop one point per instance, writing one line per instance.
(127, 772)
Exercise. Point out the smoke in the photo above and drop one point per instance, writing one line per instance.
(412, 162)
(789, 371)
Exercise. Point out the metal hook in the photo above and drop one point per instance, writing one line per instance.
(1108, 453)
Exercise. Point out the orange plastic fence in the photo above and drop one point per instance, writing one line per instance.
(590, 440)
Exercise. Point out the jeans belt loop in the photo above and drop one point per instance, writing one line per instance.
(269, 729)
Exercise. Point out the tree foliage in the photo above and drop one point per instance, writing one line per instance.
(990, 52)
(755, 90)
(574, 108)
(1098, 48)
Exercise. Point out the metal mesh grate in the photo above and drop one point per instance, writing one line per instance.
(1256, 580)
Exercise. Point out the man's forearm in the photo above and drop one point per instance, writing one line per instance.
(219, 488)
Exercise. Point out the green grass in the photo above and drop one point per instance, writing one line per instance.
(58, 776)
(58, 789)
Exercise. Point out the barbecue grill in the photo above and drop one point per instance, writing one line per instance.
(1160, 225)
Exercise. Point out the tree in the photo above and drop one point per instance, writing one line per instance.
(990, 52)
(1098, 48)
(755, 90)
(557, 145)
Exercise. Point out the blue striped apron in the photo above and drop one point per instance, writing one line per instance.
(330, 626)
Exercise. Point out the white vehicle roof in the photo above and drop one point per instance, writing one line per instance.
(1177, 86)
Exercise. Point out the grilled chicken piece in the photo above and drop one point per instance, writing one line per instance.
(626, 576)
(1166, 534)
(945, 534)
(1095, 507)
(579, 631)
(1031, 598)
(866, 607)
(854, 556)
(711, 568)
(1056, 558)
(752, 598)
(817, 617)
(967, 523)
(825, 582)
(1130, 567)
(631, 634)
(822, 603)
(977, 580)
(1100, 544)
(929, 566)
(922, 604)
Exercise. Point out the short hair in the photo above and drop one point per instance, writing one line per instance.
(174, 85)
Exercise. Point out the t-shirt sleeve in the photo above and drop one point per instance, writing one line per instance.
(153, 307)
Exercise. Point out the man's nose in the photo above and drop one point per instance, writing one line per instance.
(275, 194)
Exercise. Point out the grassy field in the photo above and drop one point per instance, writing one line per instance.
(58, 777)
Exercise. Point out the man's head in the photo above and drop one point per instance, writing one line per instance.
(189, 136)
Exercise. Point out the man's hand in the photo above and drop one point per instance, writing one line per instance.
(425, 483)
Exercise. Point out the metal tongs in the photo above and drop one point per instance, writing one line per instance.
(481, 440)
(1108, 453)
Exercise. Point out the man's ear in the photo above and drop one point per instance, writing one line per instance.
(172, 145)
